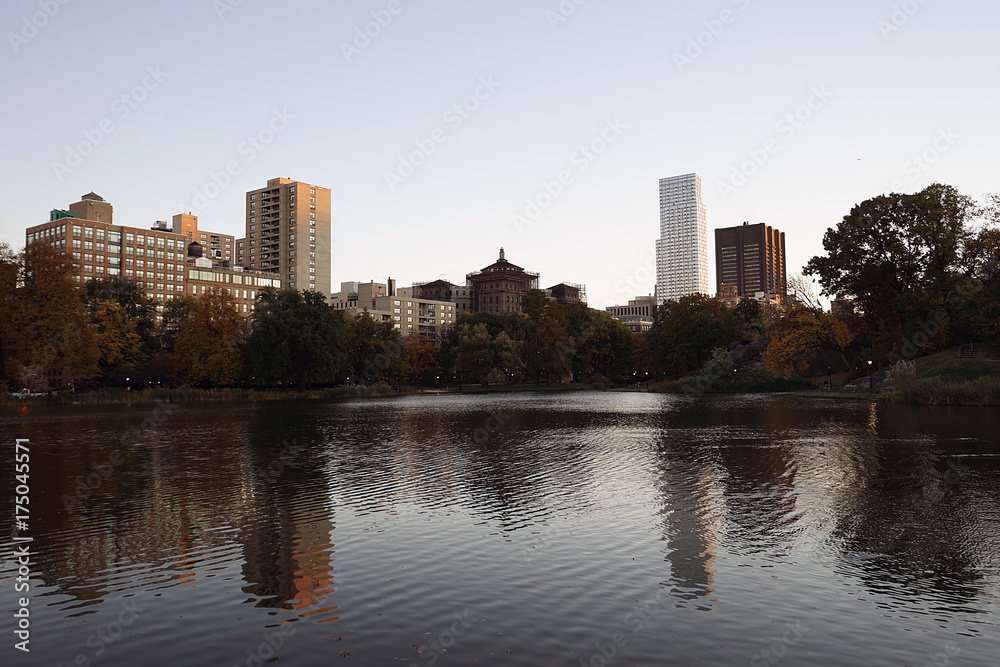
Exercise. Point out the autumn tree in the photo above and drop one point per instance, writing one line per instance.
(800, 333)
(49, 330)
(423, 362)
(118, 338)
(136, 307)
(211, 344)
(9, 270)
(177, 309)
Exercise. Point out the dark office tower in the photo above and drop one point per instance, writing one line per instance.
(751, 258)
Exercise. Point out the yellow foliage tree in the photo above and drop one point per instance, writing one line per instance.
(800, 332)
(211, 345)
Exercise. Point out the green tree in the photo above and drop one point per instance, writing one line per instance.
(897, 256)
(748, 312)
(685, 332)
(374, 350)
(490, 358)
(211, 344)
(603, 345)
(297, 337)
(547, 351)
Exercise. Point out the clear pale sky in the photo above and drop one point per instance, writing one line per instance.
(888, 81)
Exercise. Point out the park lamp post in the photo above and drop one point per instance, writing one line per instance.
(871, 389)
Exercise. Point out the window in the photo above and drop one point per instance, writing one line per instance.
(88, 232)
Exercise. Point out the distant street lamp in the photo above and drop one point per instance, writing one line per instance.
(871, 389)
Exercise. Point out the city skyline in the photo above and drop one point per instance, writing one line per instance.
(548, 149)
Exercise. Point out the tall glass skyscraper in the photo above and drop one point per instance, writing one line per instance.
(682, 249)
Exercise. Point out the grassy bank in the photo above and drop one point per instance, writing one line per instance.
(517, 388)
(191, 395)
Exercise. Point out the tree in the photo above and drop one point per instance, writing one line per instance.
(685, 331)
(136, 306)
(211, 344)
(422, 360)
(177, 309)
(490, 358)
(747, 311)
(297, 337)
(896, 255)
(118, 338)
(9, 269)
(374, 350)
(604, 346)
(801, 332)
(547, 348)
(49, 331)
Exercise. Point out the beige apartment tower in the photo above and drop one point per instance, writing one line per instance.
(288, 234)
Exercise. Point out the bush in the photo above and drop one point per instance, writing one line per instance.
(983, 391)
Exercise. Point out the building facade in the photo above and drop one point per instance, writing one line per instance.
(499, 287)
(410, 315)
(637, 315)
(568, 294)
(204, 275)
(217, 247)
(288, 233)
(155, 259)
(442, 290)
(682, 249)
(750, 258)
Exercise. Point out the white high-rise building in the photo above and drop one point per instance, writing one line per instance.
(682, 249)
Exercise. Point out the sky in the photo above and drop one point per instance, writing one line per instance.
(448, 129)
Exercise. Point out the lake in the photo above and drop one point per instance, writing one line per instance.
(517, 529)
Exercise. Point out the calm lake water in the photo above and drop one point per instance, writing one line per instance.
(589, 528)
